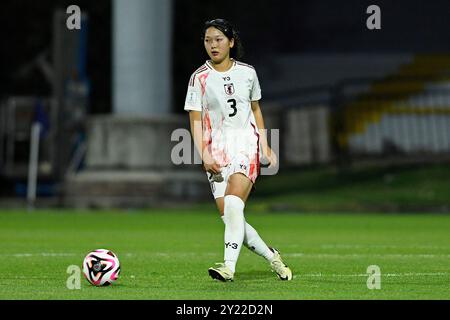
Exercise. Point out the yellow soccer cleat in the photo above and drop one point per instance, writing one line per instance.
(278, 266)
(221, 272)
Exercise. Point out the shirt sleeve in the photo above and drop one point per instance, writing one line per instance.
(193, 97)
(255, 94)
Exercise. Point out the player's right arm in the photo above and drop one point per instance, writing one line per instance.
(193, 104)
(195, 119)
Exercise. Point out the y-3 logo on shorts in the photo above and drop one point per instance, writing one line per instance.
(243, 166)
(232, 244)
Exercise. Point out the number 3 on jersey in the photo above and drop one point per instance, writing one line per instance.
(232, 103)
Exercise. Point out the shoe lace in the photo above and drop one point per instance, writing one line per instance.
(277, 264)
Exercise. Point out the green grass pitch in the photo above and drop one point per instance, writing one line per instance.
(165, 254)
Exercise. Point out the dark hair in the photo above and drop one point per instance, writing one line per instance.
(227, 29)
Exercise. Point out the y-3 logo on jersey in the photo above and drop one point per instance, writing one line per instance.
(229, 89)
(226, 78)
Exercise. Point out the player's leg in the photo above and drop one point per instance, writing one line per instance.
(236, 193)
(252, 240)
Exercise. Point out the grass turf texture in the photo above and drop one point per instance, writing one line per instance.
(393, 189)
(165, 254)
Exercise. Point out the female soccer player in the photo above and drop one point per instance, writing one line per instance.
(228, 127)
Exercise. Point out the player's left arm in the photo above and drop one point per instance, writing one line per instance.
(266, 150)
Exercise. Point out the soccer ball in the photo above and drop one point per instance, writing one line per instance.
(101, 267)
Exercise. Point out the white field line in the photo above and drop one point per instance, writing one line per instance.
(314, 255)
(371, 246)
(306, 275)
(303, 255)
(67, 254)
(39, 254)
(381, 246)
(365, 255)
(193, 254)
(365, 275)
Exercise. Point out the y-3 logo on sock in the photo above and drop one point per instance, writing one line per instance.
(232, 244)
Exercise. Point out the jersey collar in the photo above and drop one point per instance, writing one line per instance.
(208, 64)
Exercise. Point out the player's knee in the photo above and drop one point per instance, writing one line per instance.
(239, 185)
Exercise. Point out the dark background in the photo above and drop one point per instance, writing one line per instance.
(267, 28)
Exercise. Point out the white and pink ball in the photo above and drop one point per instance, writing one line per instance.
(101, 267)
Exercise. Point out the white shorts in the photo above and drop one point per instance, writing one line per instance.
(239, 164)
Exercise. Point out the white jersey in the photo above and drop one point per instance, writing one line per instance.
(229, 126)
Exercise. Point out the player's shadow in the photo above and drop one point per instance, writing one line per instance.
(253, 275)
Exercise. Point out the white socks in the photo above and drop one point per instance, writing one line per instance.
(251, 240)
(234, 229)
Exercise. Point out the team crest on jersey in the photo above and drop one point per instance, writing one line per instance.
(229, 89)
